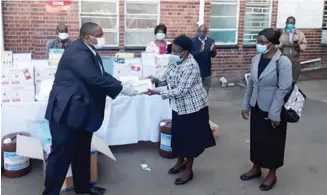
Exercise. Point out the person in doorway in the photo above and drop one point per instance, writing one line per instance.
(76, 109)
(191, 132)
(292, 43)
(159, 45)
(61, 42)
(270, 80)
(204, 49)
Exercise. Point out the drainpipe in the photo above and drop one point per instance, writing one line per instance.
(1, 30)
(201, 12)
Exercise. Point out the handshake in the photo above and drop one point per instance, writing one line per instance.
(137, 87)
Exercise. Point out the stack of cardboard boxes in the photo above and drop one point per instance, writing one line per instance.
(17, 77)
(46, 69)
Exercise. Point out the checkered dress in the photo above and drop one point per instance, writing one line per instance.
(185, 86)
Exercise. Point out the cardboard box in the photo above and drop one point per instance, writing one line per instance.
(32, 148)
(6, 60)
(18, 76)
(44, 73)
(22, 60)
(124, 55)
(55, 56)
(148, 58)
(17, 94)
(68, 183)
(162, 61)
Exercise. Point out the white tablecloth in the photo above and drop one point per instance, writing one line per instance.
(127, 120)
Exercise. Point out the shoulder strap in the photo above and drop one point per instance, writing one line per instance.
(277, 67)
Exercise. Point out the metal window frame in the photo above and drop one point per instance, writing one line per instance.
(149, 2)
(269, 19)
(237, 3)
(102, 16)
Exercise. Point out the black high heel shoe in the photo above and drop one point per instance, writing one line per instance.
(175, 171)
(179, 181)
(267, 187)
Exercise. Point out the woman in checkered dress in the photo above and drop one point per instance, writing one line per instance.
(191, 132)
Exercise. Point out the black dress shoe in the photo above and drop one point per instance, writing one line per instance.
(94, 190)
(246, 177)
(175, 171)
(179, 181)
(267, 187)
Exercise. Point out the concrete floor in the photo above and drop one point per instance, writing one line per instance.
(217, 170)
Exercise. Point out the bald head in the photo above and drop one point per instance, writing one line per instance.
(88, 28)
(90, 32)
(62, 28)
(202, 31)
(290, 20)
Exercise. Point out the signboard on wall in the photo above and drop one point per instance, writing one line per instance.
(57, 6)
(308, 14)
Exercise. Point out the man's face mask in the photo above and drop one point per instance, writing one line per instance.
(63, 36)
(289, 27)
(100, 42)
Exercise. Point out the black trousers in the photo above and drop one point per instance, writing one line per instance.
(69, 146)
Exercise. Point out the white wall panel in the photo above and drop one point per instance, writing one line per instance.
(308, 13)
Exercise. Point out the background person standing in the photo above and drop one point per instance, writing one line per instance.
(292, 43)
(204, 49)
(61, 42)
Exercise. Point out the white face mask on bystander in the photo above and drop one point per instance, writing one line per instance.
(63, 36)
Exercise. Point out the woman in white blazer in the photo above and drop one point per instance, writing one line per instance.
(270, 80)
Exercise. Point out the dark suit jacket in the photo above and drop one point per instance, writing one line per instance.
(203, 58)
(78, 95)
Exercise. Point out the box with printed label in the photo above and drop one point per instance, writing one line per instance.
(44, 73)
(22, 60)
(6, 60)
(55, 56)
(17, 93)
(14, 76)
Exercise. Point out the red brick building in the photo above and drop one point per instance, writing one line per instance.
(27, 25)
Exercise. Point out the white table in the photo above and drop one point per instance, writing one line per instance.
(127, 120)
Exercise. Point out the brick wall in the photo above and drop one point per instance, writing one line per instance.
(27, 27)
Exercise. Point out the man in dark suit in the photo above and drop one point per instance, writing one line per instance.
(76, 109)
(204, 49)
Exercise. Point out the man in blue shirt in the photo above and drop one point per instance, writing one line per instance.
(204, 49)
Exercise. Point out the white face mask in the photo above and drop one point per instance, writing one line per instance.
(160, 36)
(63, 36)
(100, 42)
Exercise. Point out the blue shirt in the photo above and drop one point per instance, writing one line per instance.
(203, 58)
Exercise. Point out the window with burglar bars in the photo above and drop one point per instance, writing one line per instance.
(141, 17)
(324, 25)
(105, 13)
(257, 17)
(223, 25)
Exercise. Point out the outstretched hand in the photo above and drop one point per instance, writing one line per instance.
(153, 92)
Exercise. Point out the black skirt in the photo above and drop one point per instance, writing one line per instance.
(191, 133)
(267, 144)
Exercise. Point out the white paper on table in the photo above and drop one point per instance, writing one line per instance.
(143, 85)
(129, 79)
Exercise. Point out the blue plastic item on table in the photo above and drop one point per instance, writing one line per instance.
(108, 64)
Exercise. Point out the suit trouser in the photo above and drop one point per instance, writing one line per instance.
(206, 81)
(69, 146)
